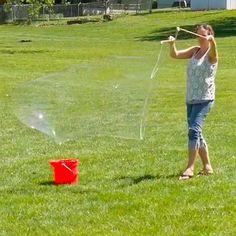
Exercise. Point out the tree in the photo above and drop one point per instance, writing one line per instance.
(34, 6)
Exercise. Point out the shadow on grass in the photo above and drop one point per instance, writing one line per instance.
(71, 188)
(132, 180)
(223, 27)
(47, 183)
(9, 51)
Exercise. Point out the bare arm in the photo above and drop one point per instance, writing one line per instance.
(181, 54)
(213, 54)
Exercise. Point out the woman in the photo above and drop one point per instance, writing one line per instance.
(201, 71)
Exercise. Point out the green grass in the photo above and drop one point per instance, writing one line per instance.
(126, 187)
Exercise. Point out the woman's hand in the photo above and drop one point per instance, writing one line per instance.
(171, 39)
(210, 38)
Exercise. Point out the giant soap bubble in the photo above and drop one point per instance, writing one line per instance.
(108, 97)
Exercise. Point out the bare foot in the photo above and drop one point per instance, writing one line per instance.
(188, 174)
(206, 172)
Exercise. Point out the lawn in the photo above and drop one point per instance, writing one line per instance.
(126, 186)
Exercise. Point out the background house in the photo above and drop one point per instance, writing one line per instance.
(213, 4)
(173, 3)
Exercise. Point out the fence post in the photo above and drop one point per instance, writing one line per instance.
(106, 6)
(78, 8)
(13, 11)
(138, 6)
(150, 6)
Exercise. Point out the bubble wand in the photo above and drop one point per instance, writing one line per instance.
(181, 29)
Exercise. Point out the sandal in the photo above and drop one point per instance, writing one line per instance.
(205, 172)
(187, 174)
(185, 177)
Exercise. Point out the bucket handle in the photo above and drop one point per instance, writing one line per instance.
(63, 164)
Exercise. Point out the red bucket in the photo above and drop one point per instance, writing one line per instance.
(65, 171)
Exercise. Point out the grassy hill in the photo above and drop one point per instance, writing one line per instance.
(127, 187)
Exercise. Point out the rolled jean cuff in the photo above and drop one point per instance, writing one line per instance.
(202, 144)
(193, 144)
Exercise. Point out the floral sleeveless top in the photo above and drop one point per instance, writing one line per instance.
(200, 79)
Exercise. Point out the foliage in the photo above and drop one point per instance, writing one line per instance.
(34, 6)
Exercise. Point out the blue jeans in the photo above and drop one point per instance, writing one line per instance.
(196, 114)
